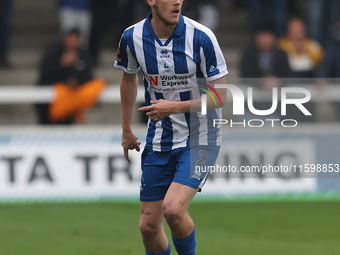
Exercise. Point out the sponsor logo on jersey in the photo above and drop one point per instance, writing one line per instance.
(119, 59)
(153, 80)
(169, 80)
(165, 54)
(212, 68)
(166, 66)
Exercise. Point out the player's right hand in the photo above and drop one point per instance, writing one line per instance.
(129, 142)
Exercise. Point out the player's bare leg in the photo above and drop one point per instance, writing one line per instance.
(151, 227)
(175, 207)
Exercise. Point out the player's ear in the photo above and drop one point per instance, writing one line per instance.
(151, 2)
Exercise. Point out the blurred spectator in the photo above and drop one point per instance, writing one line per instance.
(204, 11)
(268, 12)
(107, 14)
(330, 67)
(67, 67)
(208, 13)
(5, 16)
(76, 14)
(321, 15)
(263, 59)
(304, 54)
(139, 11)
(240, 4)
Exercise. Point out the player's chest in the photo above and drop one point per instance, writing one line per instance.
(167, 59)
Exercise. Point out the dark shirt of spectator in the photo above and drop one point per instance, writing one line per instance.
(66, 67)
(5, 28)
(263, 64)
(66, 62)
(263, 58)
(330, 67)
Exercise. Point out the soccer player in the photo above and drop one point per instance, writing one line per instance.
(174, 53)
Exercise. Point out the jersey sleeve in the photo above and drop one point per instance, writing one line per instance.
(126, 57)
(213, 65)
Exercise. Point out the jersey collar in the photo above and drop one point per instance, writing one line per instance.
(177, 32)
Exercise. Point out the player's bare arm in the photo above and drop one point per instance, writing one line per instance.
(128, 94)
(160, 109)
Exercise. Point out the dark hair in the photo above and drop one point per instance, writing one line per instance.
(265, 27)
(72, 31)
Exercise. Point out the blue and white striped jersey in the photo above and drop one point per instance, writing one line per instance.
(172, 69)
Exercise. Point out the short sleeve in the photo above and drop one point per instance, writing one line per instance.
(213, 64)
(126, 56)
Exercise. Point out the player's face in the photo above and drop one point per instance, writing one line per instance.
(168, 11)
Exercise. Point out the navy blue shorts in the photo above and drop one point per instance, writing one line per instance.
(160, 169)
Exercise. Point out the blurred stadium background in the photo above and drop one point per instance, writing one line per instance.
(68, 189)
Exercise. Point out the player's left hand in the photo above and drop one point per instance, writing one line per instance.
(159, 109)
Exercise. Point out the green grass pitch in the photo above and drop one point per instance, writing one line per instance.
(252, 228)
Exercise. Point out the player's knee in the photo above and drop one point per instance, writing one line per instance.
(172, 214)
(148, 228)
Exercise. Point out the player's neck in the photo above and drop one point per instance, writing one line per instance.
(161, 30)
